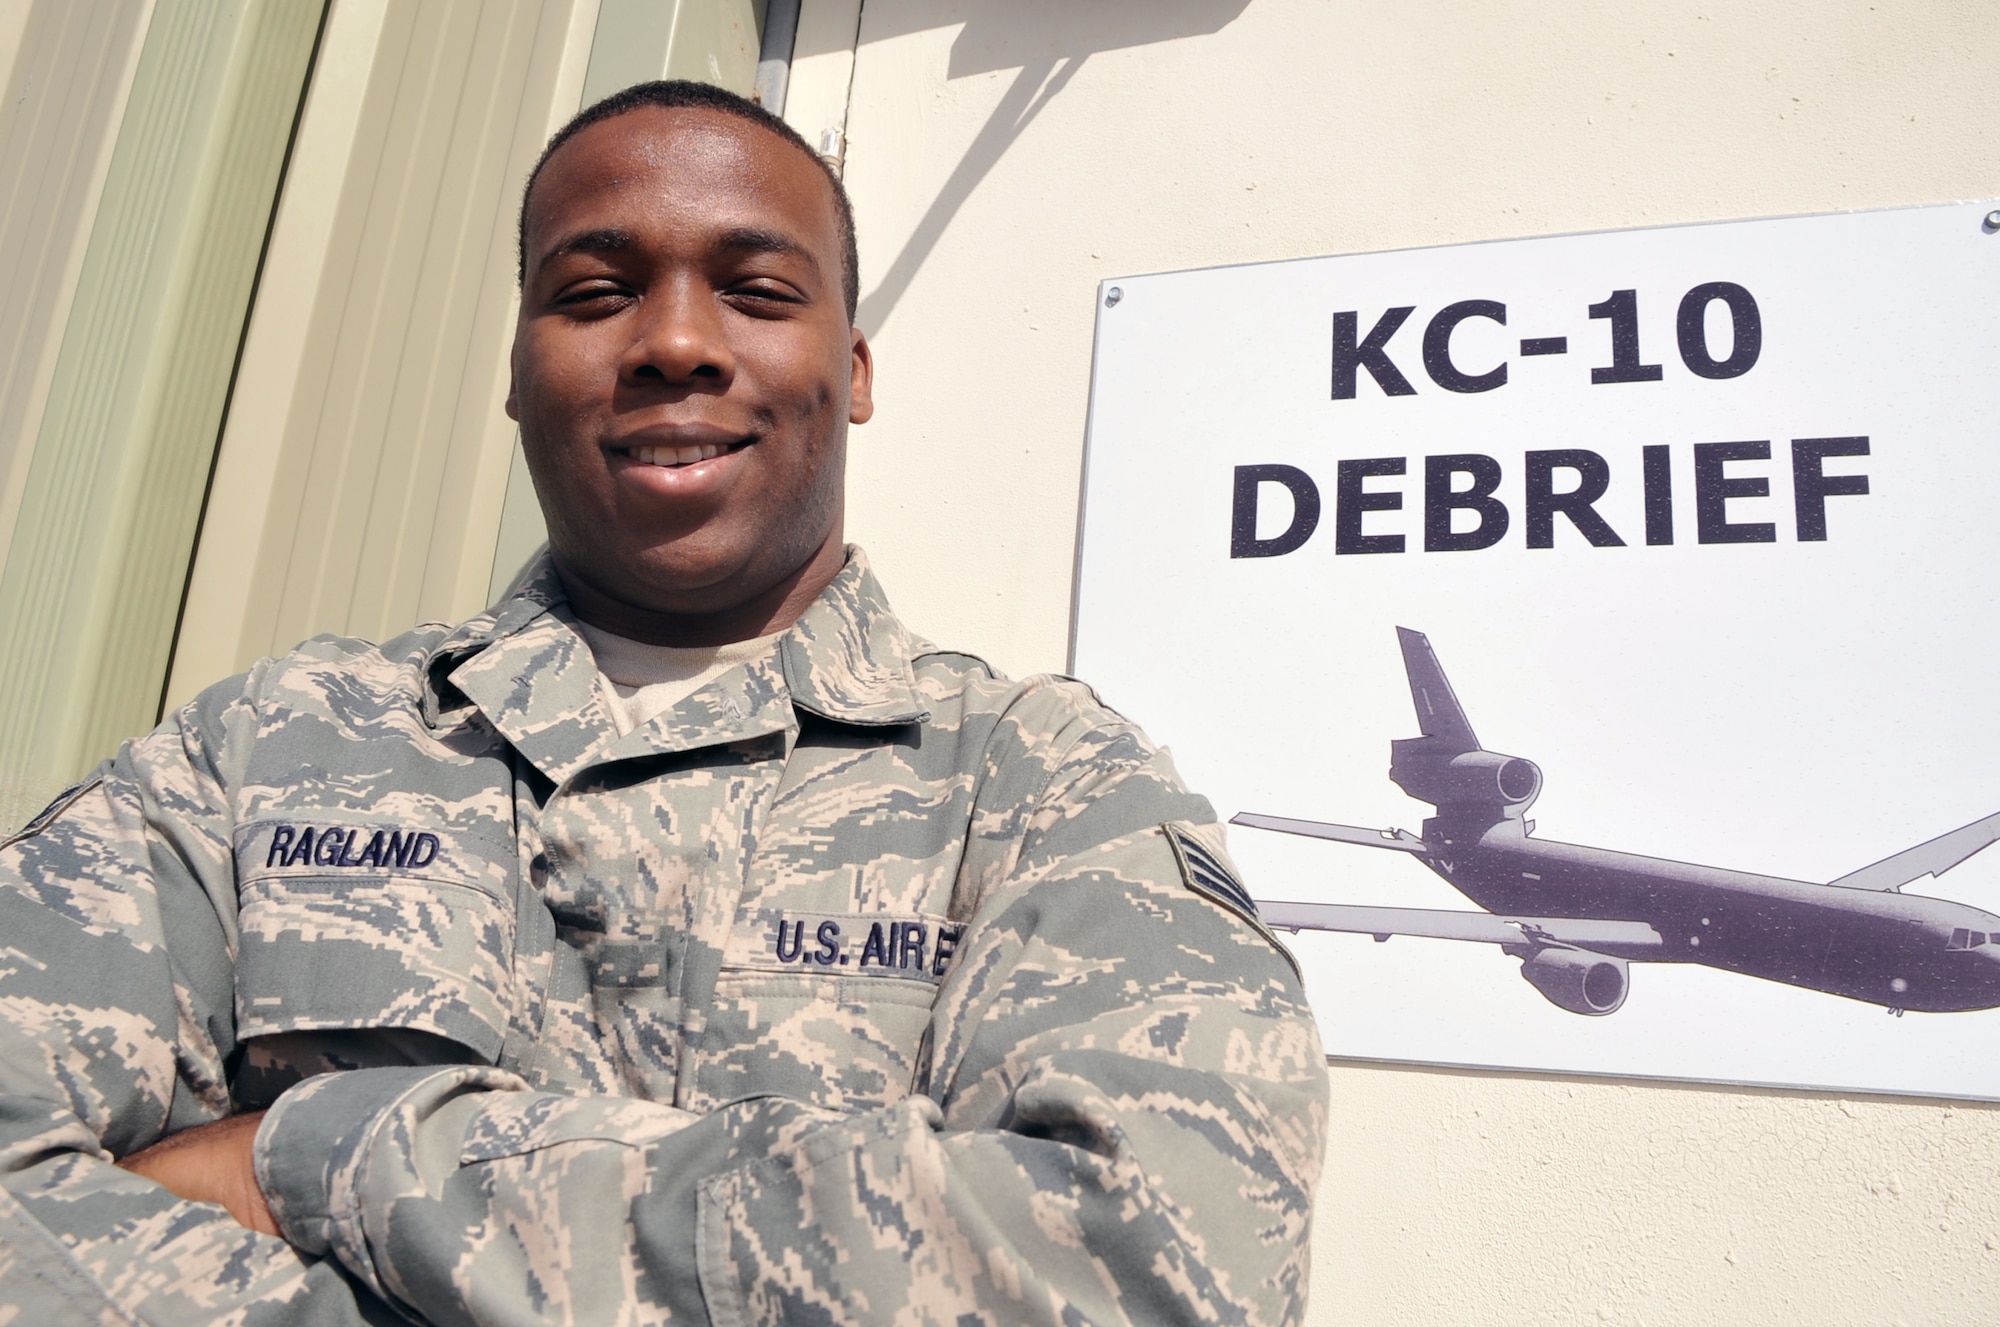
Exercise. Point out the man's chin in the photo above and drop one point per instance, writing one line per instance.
(676, 588)
(670, 593)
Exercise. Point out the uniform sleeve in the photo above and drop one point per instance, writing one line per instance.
(1120, 1120)
(117, 926)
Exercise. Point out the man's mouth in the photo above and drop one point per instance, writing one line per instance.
(679, 456)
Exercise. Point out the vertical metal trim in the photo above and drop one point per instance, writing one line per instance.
(1083, 475)
(774, 59)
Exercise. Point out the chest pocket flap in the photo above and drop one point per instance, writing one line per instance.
(374, 926)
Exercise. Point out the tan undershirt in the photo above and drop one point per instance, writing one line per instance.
(640, 682)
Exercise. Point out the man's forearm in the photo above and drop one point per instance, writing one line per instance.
(211, 1164)
(1142, 1150)
(108, 1245)
(587, 1207)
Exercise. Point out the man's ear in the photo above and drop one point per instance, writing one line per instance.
(861, 395)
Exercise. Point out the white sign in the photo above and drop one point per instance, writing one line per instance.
(1676, 544)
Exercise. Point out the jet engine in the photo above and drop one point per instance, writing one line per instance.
(1578, 980)
(1469, 779)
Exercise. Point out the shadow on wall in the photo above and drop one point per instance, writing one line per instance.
(1047, 41)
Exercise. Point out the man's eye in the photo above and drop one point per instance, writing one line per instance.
(594, 295)
(765, 293)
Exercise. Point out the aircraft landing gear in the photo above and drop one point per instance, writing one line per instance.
(1895, 1013)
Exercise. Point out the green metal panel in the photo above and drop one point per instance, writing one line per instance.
(98, 561)
(71, 70)
(710, 41)
(715, 41)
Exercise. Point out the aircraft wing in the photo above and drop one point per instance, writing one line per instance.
(1621, 939)
(1931, 858)
(1398, 839)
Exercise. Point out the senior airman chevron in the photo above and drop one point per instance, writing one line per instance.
(1206, 874)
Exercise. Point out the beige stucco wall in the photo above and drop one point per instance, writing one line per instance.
(1007, 154)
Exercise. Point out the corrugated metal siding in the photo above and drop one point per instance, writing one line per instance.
(364, 494)
(98, 558)
(64, 97)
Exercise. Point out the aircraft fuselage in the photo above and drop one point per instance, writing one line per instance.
(1901, 951)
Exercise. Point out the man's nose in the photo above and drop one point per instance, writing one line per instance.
(681, 340)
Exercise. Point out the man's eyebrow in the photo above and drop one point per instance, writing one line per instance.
(605, 240)
(754, 239)
(740, 239)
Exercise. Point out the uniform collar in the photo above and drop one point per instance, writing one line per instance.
(848, 659)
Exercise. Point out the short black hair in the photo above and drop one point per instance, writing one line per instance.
(674, 94)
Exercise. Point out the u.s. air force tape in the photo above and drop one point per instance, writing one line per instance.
(917, 946)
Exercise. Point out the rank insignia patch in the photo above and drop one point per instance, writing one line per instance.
(1209, 875)
(1206, 874)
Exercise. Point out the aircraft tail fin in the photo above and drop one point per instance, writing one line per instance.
(1438, 711)
(1446, 766)
(1933, 858)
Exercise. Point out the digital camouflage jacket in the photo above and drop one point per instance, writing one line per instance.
(864, 986)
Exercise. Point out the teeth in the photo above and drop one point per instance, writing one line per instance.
(677, 455)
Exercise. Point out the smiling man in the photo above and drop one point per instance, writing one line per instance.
(685, 370)
(680, 940)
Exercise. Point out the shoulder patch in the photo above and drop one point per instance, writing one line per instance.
(1205, 874)
(1208, 873)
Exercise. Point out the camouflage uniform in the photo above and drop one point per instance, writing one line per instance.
(863, 986)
